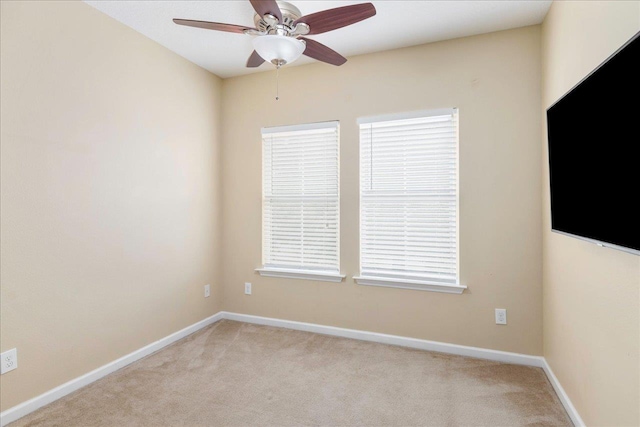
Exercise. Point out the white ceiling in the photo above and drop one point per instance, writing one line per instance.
(397, 24)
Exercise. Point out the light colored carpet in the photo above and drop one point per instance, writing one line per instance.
(238, 374)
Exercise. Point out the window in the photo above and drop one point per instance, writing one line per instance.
(301, 202)
(409, 201)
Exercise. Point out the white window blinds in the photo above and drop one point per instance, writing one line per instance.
(409, 197)
(301, 203)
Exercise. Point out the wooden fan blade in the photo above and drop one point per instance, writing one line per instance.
(263, 7)
(254, 60)
(332, 19)
(322, 53)
(230, 28)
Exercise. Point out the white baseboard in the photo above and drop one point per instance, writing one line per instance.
(52, 395)
(31, 405)
(460, 350)
(562, 395)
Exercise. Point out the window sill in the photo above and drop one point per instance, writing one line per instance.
(301, 274)
(418, 285)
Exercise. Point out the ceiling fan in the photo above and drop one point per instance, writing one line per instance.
(280, 30)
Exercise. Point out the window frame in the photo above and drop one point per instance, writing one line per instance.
(413, 283)
(306, 273)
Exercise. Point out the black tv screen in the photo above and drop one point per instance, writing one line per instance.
(594, 149)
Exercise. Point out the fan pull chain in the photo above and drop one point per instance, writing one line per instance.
(277, 82)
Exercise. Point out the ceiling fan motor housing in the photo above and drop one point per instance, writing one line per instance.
(289, 15)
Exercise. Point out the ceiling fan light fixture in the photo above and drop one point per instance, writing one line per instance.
(277, 49)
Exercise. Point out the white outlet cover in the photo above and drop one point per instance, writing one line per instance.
(207, 291)
(247, 288)
(8, 360)
(501, 316)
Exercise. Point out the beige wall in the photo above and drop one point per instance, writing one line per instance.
(591, 294)
(110, 192)
(494, 80)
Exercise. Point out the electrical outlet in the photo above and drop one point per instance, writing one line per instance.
(501, 316)
(207, 291)
(9, 360)
(247, 288)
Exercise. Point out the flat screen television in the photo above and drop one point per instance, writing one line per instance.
(594, 154)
